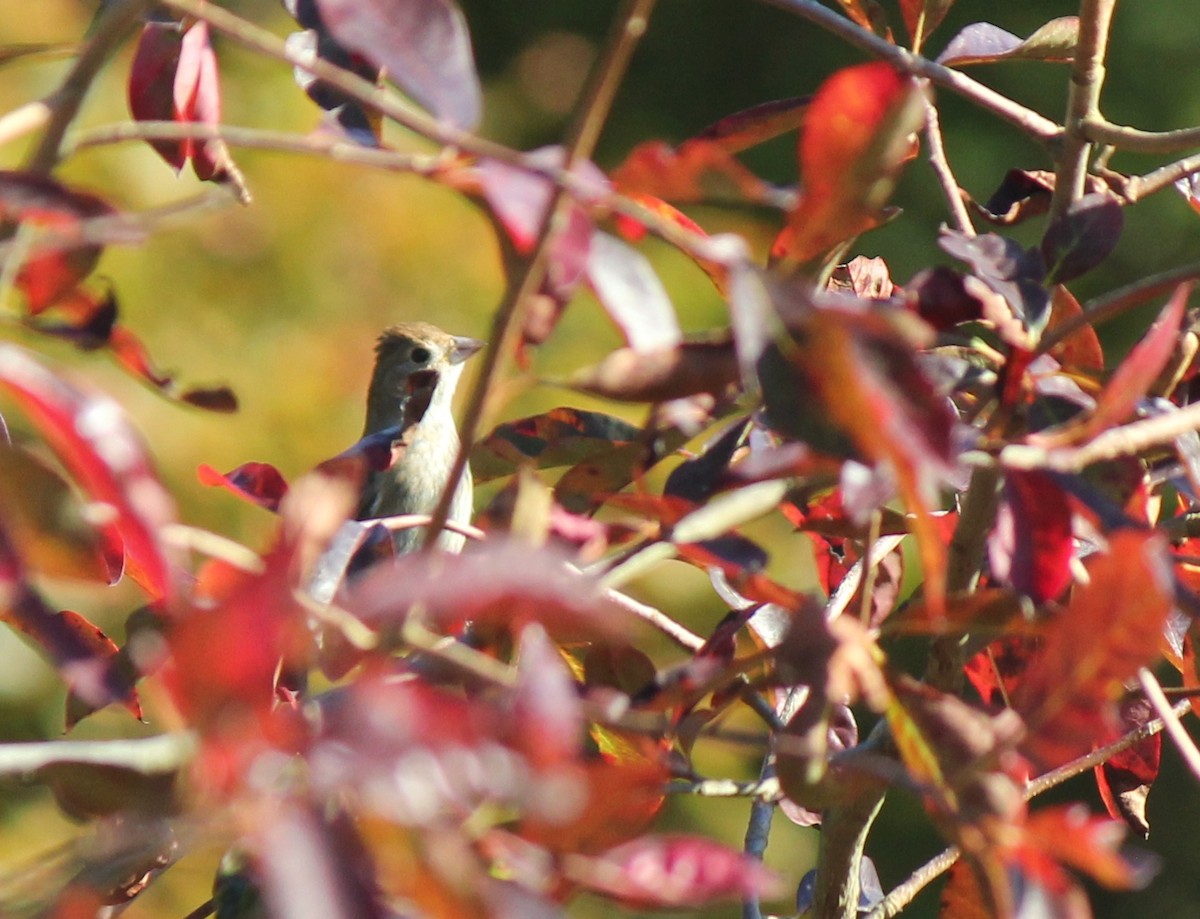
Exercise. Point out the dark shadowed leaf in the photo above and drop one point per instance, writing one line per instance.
(1083, 237)
(47, 522)
(1023, 194)
(1112, 626)
(984, 43)
(627, 375)
(753, 126)
(632, 294)
(1125, 779)
(152, 83)
(422, 44)
(944, 298)
(672, 872)
(86, 790)
(560, 437)
(259, 483)
(92, 438)
(1031, 546)
(1015, 273)
(856, 138)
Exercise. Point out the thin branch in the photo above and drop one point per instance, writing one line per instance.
(1038, 126)
(1136, 188)
(148, 755)
(24, 120)
(1101, 131)
(941, 169)
(1117, 302)
(601, 90)
(901, 895)
(64, 103)
(1174, 728)
(1083, 102)
(758, 832)
(679, 634)
(1127, 440)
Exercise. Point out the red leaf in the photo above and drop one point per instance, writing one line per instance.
(1088, 844)
(921, 17)
(630, 291)
(422, 44)
(1081, 349)
(259, 483)
(696, 170)
(668, 871)
(92, 438)
(55, 265)
(1141, 367)
(152, 84)
(132, 357)
(658, 375)
(547, 717)
(857, 136)
(506, 584)
(1124, 780)
(1031, 546)
(198, 100)
(1112, 626)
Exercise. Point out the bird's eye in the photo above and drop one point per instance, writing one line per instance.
(421, 355)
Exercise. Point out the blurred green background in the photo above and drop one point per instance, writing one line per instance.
(282, 300)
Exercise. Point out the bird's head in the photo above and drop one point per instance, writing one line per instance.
(417, 365)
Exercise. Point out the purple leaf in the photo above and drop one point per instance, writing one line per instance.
(422, 44)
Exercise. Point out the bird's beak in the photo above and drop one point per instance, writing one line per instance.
(464, 347)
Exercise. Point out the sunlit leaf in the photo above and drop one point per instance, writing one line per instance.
(562, 436)
(984, 43)
(673, 372)
(700, 169)
(1112, 626)
(423, 45)
(260, 483)
(857, 135)
(632, 294)
(1125, 779)
(1087, 844)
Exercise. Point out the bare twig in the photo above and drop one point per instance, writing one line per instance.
(149, 755)
(1032, 123)
(64, 104)
(758, 832)
(941, 169)
(1101, 131)
(1115, 303)
(766, 789)
(1083, 102)
(1127, 440)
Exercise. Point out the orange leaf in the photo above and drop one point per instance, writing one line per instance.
(1112, 626)
(856, 138)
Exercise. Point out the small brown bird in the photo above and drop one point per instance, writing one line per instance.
(417, 367)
